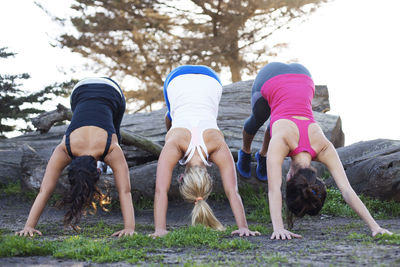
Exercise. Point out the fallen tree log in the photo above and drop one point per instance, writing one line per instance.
(373, 168)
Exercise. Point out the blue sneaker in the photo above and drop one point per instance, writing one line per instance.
(243, 164)
(261, 169)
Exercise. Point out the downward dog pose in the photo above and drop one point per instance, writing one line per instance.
(98, 105)
(192, 95)
(285, 92)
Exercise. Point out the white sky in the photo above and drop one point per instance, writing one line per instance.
(349, 45)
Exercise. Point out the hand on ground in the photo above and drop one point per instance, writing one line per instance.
(124, 232)
(245, 232)
(159, 233)
(381, 231)
(28, 231)
(284, 234)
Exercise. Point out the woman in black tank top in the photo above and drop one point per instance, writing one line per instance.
(98, 105)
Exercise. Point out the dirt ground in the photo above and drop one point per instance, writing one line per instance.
(325, 240)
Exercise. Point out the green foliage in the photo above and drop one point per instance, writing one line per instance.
(272, 259)
(81, 248)
(101, 229)
(388, 239)
(257, 203)
(200, 236)
(335, 205)
(18, 104)
(143, 204)
(146, 39)
(95, 244)
(10, 188)
(12, 246)
(14, 189)
(384, 239)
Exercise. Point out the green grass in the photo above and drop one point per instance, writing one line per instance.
(10, 188)
(257, 203)
(273, 259)
(95, 244)
(384, 239)
(388, 239)
(13, 246)
(335, 205)
(200, 236)
(102, 250)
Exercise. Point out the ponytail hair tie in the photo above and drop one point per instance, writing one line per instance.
(312, 190)
(198, 199)
(319, 195)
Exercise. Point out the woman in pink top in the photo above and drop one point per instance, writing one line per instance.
(284, 92)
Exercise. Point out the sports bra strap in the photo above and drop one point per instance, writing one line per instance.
(196, 143)
(68, 146)
(109, 136)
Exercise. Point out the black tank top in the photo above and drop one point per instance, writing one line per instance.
(94, 104)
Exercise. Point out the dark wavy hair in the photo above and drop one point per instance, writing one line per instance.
(83, 177)
(305, 193)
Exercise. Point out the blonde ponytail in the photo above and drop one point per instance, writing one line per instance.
(195, 187)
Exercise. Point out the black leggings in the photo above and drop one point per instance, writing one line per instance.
(259, 105)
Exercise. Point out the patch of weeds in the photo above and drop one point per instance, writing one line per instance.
(14, 246)
(257, 202)
(384, 239)
(335, 205)
(10, 188)
(381, 209)
(143, 204)
(100, 229)
(272, 259)
(138, 241)
(81, 248)
(200, 236)
(5, 231)
(360, 237)
(388, 239)
(14, 189)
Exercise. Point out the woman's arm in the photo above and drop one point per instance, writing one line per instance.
(222, 157)
(330, 158)
(117, 162)
(167, 121)
(277, 151)
(169, 156)
(58, 160)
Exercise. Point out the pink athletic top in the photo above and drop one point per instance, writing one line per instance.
(291, 95)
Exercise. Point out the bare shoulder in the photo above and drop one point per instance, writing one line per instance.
(318, 140)
(61, 149)
(214, 140)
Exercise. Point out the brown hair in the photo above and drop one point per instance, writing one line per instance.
(195, 187)
(305, 192)
(83, 177)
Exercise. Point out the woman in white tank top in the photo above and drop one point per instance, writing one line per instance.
(192, 95)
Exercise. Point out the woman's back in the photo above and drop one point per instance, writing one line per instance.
(193, 98)
(90, 140)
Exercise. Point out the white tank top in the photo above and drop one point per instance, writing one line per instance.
(194, 100)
